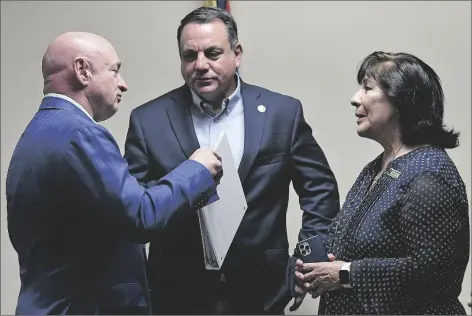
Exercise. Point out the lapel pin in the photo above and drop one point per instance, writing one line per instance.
(261, 108)
(395, 174)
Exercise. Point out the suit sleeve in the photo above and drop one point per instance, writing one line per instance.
(434, 227)
(115, 198)
(317, 189)
(313, 180)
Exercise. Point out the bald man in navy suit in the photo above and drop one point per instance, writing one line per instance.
(76, 217)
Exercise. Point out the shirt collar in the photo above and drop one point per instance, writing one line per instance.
(64, 97)
(227, 106)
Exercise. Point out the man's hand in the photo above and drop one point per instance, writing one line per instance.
(322, 276)
(301, 288)
(298, 300)
(211, 160)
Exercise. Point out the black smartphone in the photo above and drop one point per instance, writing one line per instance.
(312, 249)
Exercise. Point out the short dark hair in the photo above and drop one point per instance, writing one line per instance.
(205, 15)
(414, 88)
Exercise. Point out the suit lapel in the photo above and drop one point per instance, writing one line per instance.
(254, 122)
(181, 121)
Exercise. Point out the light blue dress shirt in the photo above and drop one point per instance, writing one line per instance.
(209, 124)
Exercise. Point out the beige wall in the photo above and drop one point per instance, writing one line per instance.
(311, 51)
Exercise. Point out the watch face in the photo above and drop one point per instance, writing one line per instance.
(343, 276)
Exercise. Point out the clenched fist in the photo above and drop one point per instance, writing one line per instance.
(211, 160)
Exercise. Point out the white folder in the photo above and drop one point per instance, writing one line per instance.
(220, 220)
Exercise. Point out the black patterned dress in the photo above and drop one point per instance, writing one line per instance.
(407, 238)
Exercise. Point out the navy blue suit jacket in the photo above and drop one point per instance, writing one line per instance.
(73, 211)
(279, 148)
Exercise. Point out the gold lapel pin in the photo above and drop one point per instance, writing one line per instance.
(261, 108)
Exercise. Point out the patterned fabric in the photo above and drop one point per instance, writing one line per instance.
(407, 239)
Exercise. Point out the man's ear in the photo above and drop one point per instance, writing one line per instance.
(82, 70)
(238, 51)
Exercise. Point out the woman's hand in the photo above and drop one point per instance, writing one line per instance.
(320, 277)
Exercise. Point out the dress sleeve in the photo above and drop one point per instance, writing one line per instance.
(434, 231)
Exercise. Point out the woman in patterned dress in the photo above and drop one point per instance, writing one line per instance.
(400, 245)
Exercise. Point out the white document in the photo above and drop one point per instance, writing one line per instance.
(220, 220)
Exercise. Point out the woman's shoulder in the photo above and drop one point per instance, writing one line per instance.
(429, 162)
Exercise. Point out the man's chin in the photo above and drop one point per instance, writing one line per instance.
(205, 90)
(108, 114)
(204, 93)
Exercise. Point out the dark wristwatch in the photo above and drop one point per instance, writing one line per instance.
(345, 275)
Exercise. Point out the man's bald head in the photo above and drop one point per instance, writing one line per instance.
(84, 66)
(65, 48)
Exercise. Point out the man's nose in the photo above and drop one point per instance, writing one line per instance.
(122, 84)
(202, 62)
